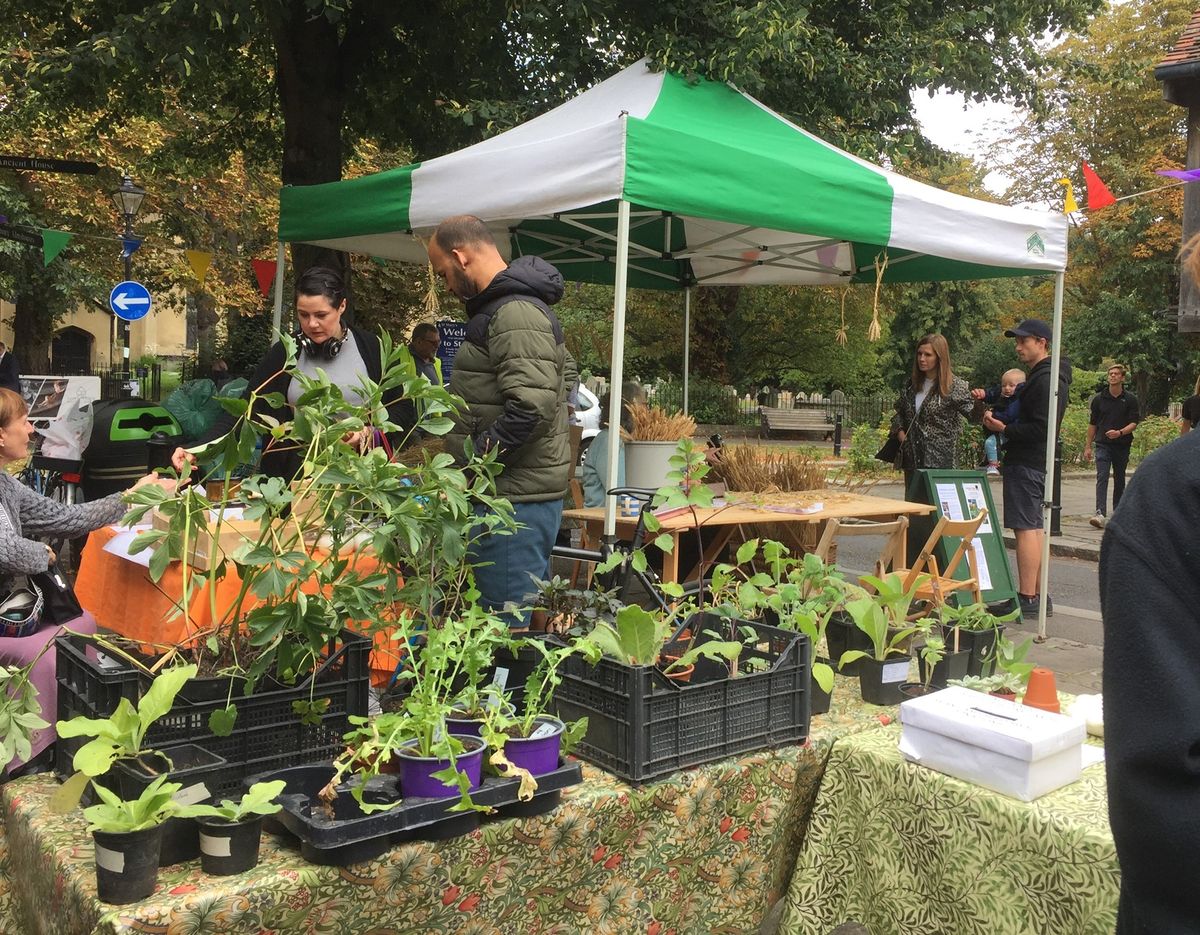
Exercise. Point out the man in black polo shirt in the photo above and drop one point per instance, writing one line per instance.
(1115, 414)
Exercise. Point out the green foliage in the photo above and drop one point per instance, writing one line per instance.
(154, 806)
(20, 712)
(1151, 434)
(933, 651)
(708, 401)
(865, 441)
(258, 800)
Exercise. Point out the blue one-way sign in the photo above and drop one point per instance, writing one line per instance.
(129, 300)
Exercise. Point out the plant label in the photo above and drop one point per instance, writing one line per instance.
(190, 795)
(894, 672)
(112, 861)
(214, 846)
(543, 730)
(500, 679)
(107, 662)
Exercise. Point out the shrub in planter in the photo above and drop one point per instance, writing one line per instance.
(885, 666)
(128, 837)
(230, 833)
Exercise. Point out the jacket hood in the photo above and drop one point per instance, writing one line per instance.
(527, 275)
(1065, 371)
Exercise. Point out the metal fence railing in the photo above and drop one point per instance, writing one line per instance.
(717, 405)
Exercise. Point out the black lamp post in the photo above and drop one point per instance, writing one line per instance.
(128, 199)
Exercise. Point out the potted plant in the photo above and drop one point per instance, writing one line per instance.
(572, 611)
(652, 442)
(230, 833)
(975, 628)
(638, 638)
(127, 838)
(885, 666)
(937, 662)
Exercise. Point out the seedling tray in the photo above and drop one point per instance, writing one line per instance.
(351, 837)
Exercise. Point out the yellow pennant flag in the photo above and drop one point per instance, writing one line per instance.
(1069, 205)
(199, 261)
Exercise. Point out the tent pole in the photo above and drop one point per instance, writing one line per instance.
(277, 312)
(1051, 444)
(687, 342)
(620, 278)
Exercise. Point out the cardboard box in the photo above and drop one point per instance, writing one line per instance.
(1009, 748)
(232, 533)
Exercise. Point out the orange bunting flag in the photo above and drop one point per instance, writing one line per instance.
(1070, 206)
(199, 261)
(265, 271)
(1098, 195)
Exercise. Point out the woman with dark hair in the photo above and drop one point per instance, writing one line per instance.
(345, 353)
(23, 515)
(930, 410)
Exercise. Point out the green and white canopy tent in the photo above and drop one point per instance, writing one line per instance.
(650, 180)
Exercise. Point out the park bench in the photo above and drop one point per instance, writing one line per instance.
(794, 420)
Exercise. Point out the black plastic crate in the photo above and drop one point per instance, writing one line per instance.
(267, 734)
(642, 725)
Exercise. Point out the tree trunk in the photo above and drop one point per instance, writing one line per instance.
(33, 328)
(309, 77)
(712, 311)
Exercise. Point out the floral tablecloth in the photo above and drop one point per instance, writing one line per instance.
(703, 851)
(903, 849)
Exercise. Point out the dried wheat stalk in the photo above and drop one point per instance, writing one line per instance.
(651, 424)
(751, 468)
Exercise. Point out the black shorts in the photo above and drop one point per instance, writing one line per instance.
(1024, 490)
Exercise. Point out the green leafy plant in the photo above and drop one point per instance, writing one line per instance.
(258, 800)
(1010, 659)
(637, 638)
(872, 617)
(154, 806)
(20, 711)
(895, 596)
(1002, 682)
(933, 651)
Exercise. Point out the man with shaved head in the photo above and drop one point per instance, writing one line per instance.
(509, 371)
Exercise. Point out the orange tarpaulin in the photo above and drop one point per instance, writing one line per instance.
(123, 599)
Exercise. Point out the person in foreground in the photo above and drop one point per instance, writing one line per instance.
(930, 410)
(24, 514)
(509, 371)
(1025, 456)
(1150, 604)
(346, 354)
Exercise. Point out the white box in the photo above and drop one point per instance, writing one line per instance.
(1008, 748)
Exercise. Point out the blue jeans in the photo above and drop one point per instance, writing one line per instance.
(504, 563)
(1116, 456)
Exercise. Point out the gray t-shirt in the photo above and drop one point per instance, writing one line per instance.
(346, 371)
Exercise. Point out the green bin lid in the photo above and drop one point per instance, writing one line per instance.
(138, 423)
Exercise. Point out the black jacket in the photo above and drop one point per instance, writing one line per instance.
(1025, 441)
(1150, 602)
(281, 459)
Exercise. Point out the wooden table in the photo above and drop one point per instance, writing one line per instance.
(725, 520)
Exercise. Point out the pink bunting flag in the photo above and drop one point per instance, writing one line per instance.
(1187, 175)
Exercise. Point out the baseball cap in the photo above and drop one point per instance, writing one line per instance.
(1030, 328)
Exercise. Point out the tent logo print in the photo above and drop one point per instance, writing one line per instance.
(1035, 246)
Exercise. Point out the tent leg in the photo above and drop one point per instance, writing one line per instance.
(687, 343)
(1051, 439)
(277, 311)
(618, 364)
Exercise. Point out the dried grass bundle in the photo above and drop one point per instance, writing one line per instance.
(652, 424)
(752, 468)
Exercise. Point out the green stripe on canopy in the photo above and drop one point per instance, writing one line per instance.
(708, 151)
(370, 204)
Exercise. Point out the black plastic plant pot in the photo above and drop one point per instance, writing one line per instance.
(952, 666)
(126, 864)
(843, 635)
(880, 681)
(819, 699)
(917, 690)
(982, 646)
(228, 847)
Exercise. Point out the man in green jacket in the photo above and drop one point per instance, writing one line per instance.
(509, 370)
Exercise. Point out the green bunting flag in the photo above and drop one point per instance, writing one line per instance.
(53, 243)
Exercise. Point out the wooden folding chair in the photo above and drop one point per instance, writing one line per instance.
(940, 583)
(891, 556)
(576, 490)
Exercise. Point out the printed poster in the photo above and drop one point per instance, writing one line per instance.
(947, 495)
(983, 575)
(976, 502)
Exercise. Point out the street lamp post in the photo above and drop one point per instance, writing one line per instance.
(128, 199)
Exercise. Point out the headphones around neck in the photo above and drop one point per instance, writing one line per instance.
(327, 349)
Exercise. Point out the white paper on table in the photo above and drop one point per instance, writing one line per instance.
(120, 543)
(983, 575)
(947, 495)
(975, 504)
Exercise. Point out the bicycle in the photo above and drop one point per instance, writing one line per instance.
(58, 479)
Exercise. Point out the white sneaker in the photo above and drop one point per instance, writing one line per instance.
(992, 469)
(1098, 520)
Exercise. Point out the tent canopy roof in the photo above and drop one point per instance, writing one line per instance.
(724, 191)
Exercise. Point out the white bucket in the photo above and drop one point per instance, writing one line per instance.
(648, 463)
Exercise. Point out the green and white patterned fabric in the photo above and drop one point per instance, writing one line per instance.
(723, 191)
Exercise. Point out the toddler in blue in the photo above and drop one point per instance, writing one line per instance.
(1005, 403)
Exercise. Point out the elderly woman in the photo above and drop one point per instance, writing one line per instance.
(23, 515)
(931, 409)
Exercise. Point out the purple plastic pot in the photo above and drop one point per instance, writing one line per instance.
(538, 755)
(416, 772)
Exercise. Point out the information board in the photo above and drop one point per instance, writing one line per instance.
(961, 495)
(451, 334)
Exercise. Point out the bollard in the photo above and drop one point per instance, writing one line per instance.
(1056, 495)
(837, 435)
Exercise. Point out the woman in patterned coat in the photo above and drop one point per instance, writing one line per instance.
(931, 409)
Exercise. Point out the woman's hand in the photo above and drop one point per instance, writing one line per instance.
(901, 434)
(52, 559)
(170, 484)
(358, 440)
(183, 460)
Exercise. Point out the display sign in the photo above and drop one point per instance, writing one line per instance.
(52, 397)
(23, 235)
(39, 164)
(451, 334)
(959, 495)
(129, 300)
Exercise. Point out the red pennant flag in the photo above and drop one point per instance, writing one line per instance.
(265, 271)
(1098, 195)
